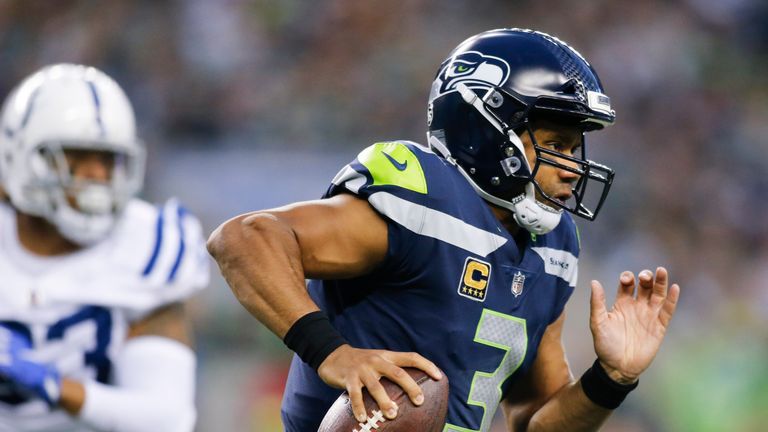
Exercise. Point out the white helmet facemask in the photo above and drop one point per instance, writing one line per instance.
(83, 210)
(61, 109)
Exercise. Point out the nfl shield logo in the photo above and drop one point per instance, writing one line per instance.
(517, 283)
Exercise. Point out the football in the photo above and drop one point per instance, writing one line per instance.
(429, 417)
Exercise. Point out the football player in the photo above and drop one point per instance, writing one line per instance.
(93, 333)
(460, 254)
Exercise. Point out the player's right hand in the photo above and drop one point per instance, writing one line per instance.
(352, 369)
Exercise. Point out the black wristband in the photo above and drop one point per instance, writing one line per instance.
(313, 338)
(602, 390)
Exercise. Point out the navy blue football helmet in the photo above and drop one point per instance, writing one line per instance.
(486, 94)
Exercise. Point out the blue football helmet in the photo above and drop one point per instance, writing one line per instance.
(486, 94)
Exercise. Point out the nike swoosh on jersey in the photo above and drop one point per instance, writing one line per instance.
(401, 166)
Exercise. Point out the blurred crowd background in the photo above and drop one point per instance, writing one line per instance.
(250, 104)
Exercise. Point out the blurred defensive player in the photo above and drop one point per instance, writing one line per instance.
(463, 253)
(93, 333)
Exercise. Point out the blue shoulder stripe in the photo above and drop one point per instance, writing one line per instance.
(158, 242)
(179, 220)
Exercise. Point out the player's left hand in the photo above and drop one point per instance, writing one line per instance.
(628, 336)
(31, 377)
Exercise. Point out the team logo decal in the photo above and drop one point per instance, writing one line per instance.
(400, 166)
(518, 282)
(475, 70)
(475, 279)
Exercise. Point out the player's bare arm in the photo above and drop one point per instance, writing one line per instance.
(548, 375)
(266, 256)
(170, 321)
(626, 337)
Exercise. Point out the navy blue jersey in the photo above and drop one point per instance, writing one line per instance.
(454, 286)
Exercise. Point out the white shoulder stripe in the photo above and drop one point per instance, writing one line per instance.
(350, 178)
(560, 263)
(421, 148)
(440, 226)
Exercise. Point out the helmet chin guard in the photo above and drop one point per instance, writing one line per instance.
(533, 215)
(82, 228)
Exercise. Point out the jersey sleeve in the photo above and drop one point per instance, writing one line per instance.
(161, 251)
(392, 177)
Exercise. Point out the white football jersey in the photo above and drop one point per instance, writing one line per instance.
(77, 308)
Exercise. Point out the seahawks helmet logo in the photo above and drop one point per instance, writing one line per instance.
(473, 69)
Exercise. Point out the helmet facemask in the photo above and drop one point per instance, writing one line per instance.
(84, 210)
(585, 202)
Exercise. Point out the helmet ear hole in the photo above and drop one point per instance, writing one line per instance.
(494, 98)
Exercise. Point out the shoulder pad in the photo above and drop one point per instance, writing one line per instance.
(409, 184)
(155, 256)
(163, 244)
(160, 250)
(386, 166)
